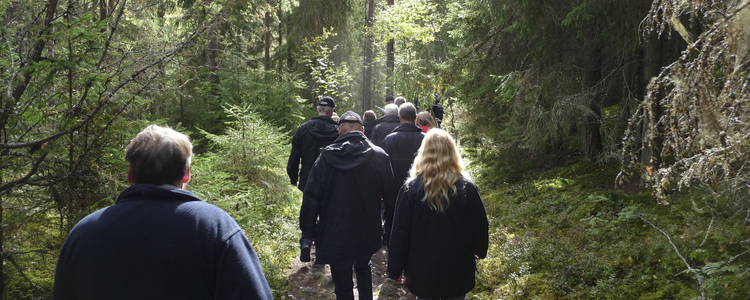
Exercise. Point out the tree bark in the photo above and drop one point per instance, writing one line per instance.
(390, 63)
(267, 37)
(212, 54)
(289, 60)
(651, 138)
(367, 73)
(591, 144)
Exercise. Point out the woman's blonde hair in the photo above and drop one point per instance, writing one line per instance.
(440, 166)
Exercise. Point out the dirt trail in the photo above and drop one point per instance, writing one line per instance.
(311, 281)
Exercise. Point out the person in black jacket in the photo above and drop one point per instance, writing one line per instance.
(437, 110)
(369, 118)
(158, 241)
(341, 206)
(385, 124)
(440, 226)
(312, 135)
(401, 145)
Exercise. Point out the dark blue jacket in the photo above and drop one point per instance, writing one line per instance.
(385, 126)
(436, 250)
(402, 146)
(312, 135)
(341, 202)
(158, 243)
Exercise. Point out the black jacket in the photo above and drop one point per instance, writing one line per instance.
(369, 126)
(343, 195)
(385, 126)
(158, 243)
(402, 146)
(435, 250)
(437, 111)
(312, 135)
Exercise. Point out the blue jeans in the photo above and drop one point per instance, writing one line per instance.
(457, 298)
(341, 273)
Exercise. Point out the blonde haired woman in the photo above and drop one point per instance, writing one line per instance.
(440, 225)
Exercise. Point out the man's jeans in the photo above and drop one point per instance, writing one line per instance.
(342, 278)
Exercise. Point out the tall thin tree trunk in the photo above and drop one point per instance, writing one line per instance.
(289, 60)
(367, 78)
(651, 137)
(591, 144)
(390, 63)
(267, 37)
(280, 15)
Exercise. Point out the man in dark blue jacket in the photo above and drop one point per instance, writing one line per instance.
(402, 146)
(312, 135)
(159, 241)
(385, 124)
(341, 206)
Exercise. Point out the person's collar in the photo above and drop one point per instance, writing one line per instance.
(168, 187)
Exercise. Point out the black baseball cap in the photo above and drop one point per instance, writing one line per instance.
(350, 117)
(327, 101)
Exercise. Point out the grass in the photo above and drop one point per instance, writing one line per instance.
(560, 230)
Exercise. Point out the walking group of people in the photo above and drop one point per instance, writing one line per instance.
(160, 241)
(375, 182)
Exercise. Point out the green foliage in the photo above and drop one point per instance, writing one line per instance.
(244, 175)
(407, 20)
(559, 231)
(328, 78)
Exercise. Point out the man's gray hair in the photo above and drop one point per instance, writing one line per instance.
(391, 109)
(399, 101)
(159, 155)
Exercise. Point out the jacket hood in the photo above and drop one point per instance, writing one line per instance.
(322, 129)
(140, 191)
(349, 151)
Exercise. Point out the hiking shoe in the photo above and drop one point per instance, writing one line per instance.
(304, 253)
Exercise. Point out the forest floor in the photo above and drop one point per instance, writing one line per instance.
(313, 281)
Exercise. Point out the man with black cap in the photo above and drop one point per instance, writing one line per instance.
(341, 206)
(312, 135)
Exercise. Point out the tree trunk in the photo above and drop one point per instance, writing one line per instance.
(267, 37)
(390, 63)
(367, 73)
(591, 144)
(280, 15)
(652, 139)
(212, 54)
(289, 60)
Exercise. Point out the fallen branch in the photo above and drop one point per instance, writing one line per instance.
(689, 268)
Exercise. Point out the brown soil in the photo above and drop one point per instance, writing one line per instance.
(311, 281)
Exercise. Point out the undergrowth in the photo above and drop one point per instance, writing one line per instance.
(243, 174)
(560, 230)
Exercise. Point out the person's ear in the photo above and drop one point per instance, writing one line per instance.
(131, 180)
(186, 178)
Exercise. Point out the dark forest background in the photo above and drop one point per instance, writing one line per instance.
(609, 138)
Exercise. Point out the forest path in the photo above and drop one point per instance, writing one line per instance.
(311, 281)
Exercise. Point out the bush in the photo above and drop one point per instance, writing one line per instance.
(244, 175)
